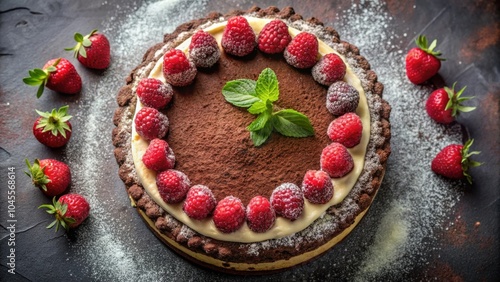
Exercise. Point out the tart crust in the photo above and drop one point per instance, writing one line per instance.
(274, 254)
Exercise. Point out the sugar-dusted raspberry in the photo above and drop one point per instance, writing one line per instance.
(341, 98)
(329, 69)
(317, 186)
(302, 52)
(154, 93)
(159, 156)
(260, 214)
(199, 203)
(151, 123)
(173, 185)
(288, 201)
(274, 37)
(346, 130)
(229, 214)
(238, 37)
(178, 69)
(203, 49)
(336, 160)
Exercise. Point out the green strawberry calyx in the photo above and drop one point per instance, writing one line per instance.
(37, 174)
(39, 77)
(422, 43)
(455, 101)
(59, 210)
(56, 121)
(82, 42)
(466, 161)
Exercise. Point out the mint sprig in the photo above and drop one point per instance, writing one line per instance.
(258, 97)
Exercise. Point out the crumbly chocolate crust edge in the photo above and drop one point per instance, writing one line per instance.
(336, 219)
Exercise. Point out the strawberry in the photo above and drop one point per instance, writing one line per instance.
(151, 123)
(53, 129)
(288, 201)
(260, 214)
(154, 93)
(274, 37)
(336, 160)
(58, 75)
(317, 186)
(422, 62)
(70, 211)
(229, 214)
(346, 130)
(178, 69)
(444, 104)
(203, 49)
(199, 203)
(341, 98)
(329, 69)
(51, 176)
(92, 50)
(453, 161)
(238, 38)
(302, 52)
(173, 185)
(158, 156)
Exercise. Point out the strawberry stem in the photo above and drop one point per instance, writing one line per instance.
(466, 161)
(421, 42)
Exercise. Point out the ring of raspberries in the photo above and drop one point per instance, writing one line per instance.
(287, 200)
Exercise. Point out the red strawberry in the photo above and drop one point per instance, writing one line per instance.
(178, 70)
(58, 75)
(199, 203)
(336, 160)
(151, 123)
(329, 69)
(274, 37)
(238, 38)
(51, 176)
(346, 130)
(229, 214)
(288, 201)
(154, 93)
(159, 156)
(341, 98)
(422, 62)
(317, 186)
(260, 214)
(53, 129)
(203, 49)
(70, 211)
(302, 52)
(92, 50)
(444, 104)
(453, 161)
(173, 185)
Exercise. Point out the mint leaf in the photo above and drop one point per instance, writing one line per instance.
(259, 122)
(257, 108)
(240, 92)
(261, 135)
(267, 86)
(292, 123)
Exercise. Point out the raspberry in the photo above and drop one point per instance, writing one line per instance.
(238, 37)
(288, 201)
(341, 98)
(178, 70)
(336, 160)
(274, 37)
(154, 93)
(151, 123)
(329, 69)
(199, 203)
(260, 214)
(346, 130)
(229, 214)
(317, 186)
(302, 52)
(173, 185)
(159, 156)
(203, 49)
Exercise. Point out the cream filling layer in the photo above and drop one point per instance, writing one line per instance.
(282, 227)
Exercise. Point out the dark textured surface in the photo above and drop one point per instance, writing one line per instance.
(34, 31)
